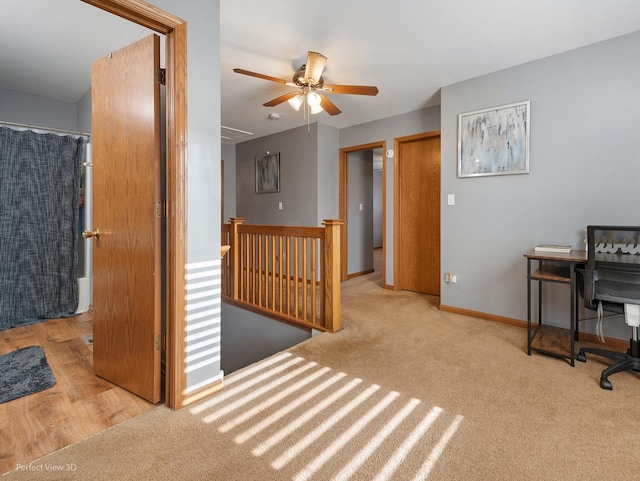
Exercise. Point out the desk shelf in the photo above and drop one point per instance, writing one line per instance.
(552, 273)
(558, 268)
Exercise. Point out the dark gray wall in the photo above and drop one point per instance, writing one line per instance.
(308, 177)
(298, 150)
(248, 337)
(584, 169)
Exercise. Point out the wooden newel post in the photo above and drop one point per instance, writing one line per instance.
(332, 274)
(235, 254)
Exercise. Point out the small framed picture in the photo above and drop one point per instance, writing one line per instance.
(268, 173)
(494, 141)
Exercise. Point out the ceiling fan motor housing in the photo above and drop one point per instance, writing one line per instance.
(300, 81)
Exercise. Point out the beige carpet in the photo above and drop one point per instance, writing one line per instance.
(403, 392)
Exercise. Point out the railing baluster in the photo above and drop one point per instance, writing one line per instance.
(247, 265)
(250, 272)
(280, 272)
(270, 269)
(314, 275)
(304, 279)
(296, 276)
(260, 271)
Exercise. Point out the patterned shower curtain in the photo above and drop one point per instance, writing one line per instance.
(39, 193)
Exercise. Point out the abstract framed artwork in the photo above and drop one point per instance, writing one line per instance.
(494, 141)
(268, 173)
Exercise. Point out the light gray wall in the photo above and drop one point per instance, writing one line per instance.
(36, 110)
(298, 150)
(83, 112)
(328, 173)
(377, 208)
(584, 169)
(360, 222)
(204, 180)
(229, 181)
(425, 120)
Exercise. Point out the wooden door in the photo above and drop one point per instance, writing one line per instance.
(126, 188)
(419, 213)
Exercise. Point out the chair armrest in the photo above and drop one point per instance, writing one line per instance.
(586, 285)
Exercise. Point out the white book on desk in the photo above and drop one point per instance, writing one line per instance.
(553, 248)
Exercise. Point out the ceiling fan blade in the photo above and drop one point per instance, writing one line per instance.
(314, 67)
(328, 106)
(264, 77)
(279, 100)
(350, 89)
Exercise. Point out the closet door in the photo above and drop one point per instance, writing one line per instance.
(418, 213)
(126, 191)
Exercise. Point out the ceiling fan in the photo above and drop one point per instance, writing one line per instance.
(308, 79)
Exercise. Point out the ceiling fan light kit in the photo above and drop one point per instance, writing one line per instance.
(315, 109)
(296, 101)
(308, 79)
(313, 99)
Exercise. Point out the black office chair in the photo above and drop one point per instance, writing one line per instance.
(611, 282)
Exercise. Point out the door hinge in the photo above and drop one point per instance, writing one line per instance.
(161, 76)
(160, 342)
(161, 209)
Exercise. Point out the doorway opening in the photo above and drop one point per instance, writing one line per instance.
(66, 341)
(362, 199)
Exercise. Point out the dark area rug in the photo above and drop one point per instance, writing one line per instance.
(23, 372)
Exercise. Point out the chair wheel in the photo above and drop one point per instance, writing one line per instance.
(581, 357)
(605, 384)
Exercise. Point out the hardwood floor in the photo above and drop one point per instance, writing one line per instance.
(78, 406)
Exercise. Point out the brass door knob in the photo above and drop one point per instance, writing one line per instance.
(87, 234)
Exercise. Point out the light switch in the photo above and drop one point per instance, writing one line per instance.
(451, 199)
(361, 206)
(280, 205)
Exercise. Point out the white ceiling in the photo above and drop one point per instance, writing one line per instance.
(408, 49)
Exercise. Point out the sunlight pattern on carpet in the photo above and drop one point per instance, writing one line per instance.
(301, 416)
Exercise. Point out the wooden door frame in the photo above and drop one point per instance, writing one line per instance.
(397, 207)
(175, 31)
(343, 208)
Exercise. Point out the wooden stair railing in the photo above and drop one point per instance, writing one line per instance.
(288, 273)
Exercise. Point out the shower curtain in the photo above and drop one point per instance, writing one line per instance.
(39, 193)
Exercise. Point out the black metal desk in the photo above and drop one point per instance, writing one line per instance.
(559, 268)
